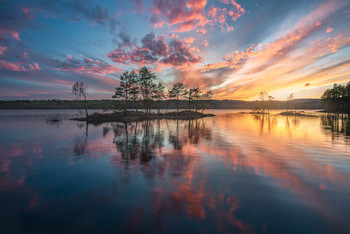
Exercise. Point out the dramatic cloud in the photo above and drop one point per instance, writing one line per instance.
(180, 54)
(85, 65)
(282, 62)
(232, 47)
(191, 15)
(156, 50)
(185, 16)
(119, 56)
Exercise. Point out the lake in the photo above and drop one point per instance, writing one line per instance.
(232, 173)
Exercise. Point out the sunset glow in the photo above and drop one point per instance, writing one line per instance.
(236, 48)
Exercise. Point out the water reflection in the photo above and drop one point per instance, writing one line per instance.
(143, 140)
(232, 173)
(337, 124)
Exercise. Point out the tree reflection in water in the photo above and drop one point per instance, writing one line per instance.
(81, 142)
(138, 140)
(338, 124)
(143, 140)
(197, 130)
(266, 122)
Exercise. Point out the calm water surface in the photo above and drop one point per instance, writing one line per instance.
(233, 173)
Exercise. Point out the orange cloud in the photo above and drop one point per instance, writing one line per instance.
(281, 65)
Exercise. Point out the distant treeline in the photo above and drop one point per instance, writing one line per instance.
(183, 104)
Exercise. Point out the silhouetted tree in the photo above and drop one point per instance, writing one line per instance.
(179, 92)
(338, 98)
(196, 97)
(147, 86)
(79, 89)
(290, 100)
(135, 89)
(123, 92)
(262, 96)
(159, 94)
(170, 95)
(207, 97)
(271, 98)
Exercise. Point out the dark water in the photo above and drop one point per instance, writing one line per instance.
(233, 173)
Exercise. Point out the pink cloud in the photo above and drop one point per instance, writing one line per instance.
(28, 12)
(15, 35)
(34, 67)
(118, 56)
(186, 16)
(12, 33)
(220, 15)
(237, 11)
(2, 50)
(213, 11)
(190, 15)
(17, 66)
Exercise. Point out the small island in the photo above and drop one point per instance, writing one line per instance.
(138, 90)
(132, 116)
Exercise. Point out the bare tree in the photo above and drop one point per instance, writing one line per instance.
(289, 100)
(271, 98)
(262, 97)
(79, 89)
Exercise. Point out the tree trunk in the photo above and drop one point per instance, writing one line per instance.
(126, 106)
(86, 111)
(167, 106)
(177, 105)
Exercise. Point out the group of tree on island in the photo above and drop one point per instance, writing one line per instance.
(338, 98)
(142, 88)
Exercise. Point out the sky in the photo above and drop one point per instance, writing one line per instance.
(236, 48)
